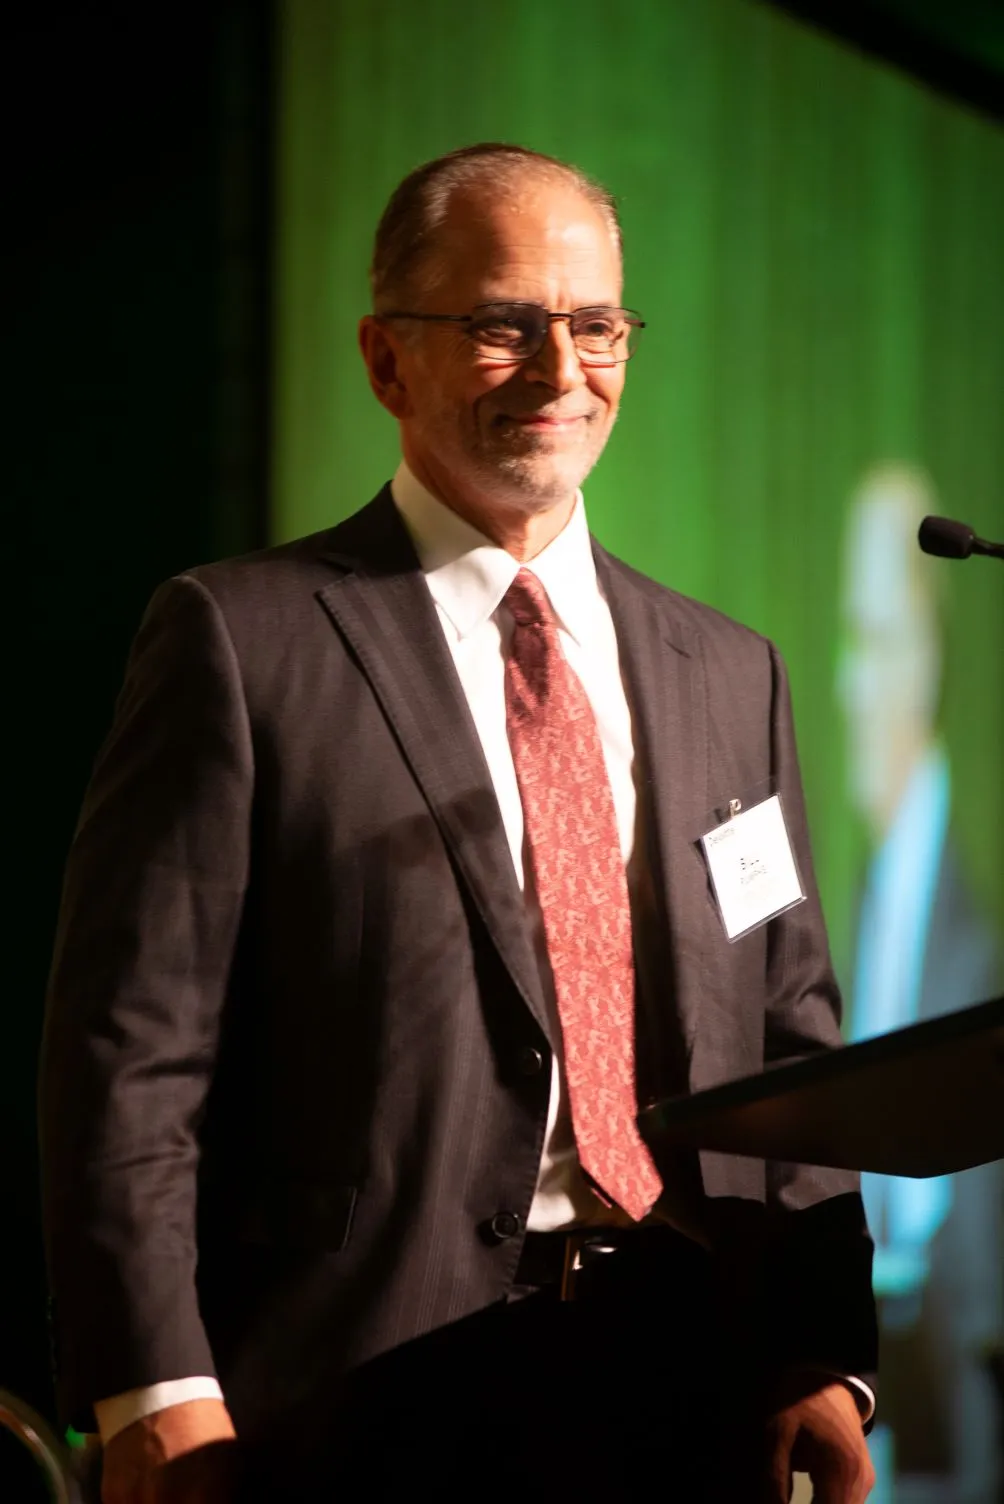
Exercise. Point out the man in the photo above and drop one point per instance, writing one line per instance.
(386, 907)
(923, 948)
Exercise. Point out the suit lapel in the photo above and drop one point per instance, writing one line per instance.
(382, 606)
(665, 680)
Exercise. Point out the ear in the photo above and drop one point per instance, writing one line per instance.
(382, 352)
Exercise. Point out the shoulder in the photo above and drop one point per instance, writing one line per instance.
(690, 624)
(270, 580)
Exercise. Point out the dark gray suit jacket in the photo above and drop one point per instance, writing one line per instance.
(296, 1059)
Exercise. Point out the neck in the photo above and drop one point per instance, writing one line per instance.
(522, 533)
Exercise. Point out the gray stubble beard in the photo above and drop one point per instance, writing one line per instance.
(508, 478)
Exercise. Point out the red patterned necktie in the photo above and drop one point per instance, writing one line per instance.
(578, 872)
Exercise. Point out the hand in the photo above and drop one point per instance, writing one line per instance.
(819, 1432)
(184, 1454)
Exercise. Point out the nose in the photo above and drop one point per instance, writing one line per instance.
(557, 363)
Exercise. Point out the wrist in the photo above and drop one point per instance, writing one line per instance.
(119, 1410)
(173, 1431)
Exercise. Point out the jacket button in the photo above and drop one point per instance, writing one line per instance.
(505, 1225)
(530, 1061)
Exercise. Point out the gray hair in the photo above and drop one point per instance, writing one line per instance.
(407, 234)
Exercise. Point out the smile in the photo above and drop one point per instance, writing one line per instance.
(545, 425)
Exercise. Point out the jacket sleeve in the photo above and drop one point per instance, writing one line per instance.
(151, 907)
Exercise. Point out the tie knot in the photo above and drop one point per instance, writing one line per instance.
(527, 600)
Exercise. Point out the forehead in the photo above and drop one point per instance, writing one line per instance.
(539, 242)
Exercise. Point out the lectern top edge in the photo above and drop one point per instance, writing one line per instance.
(789, 1076)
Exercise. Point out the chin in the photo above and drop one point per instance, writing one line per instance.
(523, 495)
(541, 483)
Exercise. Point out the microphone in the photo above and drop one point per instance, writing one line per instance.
(947, 539)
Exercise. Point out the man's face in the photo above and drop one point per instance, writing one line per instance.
(518, 436)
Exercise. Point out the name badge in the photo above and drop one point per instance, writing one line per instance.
(752, 868)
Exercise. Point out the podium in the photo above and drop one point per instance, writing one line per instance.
(924, 1100)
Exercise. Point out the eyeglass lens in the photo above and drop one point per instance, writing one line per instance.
(518, 330)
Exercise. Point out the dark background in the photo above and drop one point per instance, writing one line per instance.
(138, 187)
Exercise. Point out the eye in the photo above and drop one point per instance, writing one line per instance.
(598, 329)
(502, 329)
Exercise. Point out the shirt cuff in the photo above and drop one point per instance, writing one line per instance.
(120, 1410)
(863, 1394)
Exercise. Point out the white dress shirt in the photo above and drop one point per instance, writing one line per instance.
(468, 576)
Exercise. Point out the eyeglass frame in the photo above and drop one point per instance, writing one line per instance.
(633, 319)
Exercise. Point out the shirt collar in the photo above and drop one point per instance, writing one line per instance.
(468, 574)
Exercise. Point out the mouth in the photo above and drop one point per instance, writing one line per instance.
(542, 423)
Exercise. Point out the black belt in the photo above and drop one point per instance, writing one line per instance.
(555, 1259)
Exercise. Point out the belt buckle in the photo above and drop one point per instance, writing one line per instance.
(576, 1242)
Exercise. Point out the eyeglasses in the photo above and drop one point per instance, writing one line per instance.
(517, 331)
